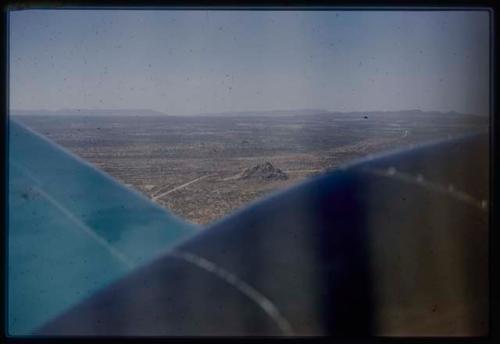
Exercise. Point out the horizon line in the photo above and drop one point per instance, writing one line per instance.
(236, 111)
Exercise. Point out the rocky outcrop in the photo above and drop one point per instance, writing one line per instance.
(264, 171)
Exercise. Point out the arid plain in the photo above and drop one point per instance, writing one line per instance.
(204, 167)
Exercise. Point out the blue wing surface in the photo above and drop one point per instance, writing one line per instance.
(72, 230)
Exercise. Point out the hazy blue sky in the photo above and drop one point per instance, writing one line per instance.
(185, 62)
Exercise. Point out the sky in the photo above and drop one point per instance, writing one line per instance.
(189, 62)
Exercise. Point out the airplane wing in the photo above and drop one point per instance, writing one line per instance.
(72, 230)
(393, 245)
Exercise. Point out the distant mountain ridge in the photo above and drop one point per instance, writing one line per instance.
(88, 112)
(297, 112)
(272, 113)
(306, 112)
(400, 112)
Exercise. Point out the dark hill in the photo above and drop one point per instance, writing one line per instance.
(265, 171)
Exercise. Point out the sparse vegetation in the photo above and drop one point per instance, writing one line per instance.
(203, 168)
